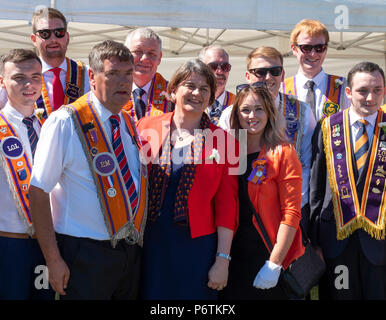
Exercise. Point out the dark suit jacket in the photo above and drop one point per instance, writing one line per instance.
(322, 226)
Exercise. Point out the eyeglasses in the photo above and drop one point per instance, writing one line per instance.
(225, 66)
(259, 84)
(262, 72)
(46, 33)
(307, 48)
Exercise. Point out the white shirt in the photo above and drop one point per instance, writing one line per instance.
(305, 147)
(10, 221)
(49, 77)
(320, 86)
(61, 169)
(354, 125)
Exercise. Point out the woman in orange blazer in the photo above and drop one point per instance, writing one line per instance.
(272, 184)
(193, 198)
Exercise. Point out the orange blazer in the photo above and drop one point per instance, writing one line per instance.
(213, 198)
(278, 199)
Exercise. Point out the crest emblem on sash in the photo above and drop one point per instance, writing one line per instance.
(105, 164)
(330, 108)
(336, 131)
(12, 147)
(22, 174)
(72, 91)
(3, 130)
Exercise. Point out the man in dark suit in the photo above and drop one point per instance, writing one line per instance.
(347, 183)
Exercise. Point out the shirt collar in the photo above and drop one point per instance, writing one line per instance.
(354, 117)
(11, 112)
(102, 112)
(146, 87)
(318, 79)
(46, 66)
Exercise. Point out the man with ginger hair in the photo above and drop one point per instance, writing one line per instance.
(324, 93)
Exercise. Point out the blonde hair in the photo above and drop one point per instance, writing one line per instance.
(274, 131)
(310, 27)
(265, 52)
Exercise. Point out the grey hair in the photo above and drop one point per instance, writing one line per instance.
(106, 50)
(216, 47)
(145, 33)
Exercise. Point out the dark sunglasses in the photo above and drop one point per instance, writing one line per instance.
(307, 48)
(225, 66)
(46, 33)
(259, 84)
(262, 72)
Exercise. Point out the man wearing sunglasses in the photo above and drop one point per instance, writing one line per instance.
(265, 64)
(217, 59)
(64, 80)
(149, 87)
(324, 93)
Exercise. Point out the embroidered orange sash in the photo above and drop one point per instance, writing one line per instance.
(17, 168)
(157, 103)
(74, 88)
(333, 96)
(120, 221)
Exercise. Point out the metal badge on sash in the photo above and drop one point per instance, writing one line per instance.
(72, 91)
(12, 148)
(105, 164)
(292, 123)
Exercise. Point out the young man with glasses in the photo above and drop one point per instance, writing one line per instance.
(64, 80)
(217, 59)
(324, 93)
(149, 86)
(265, 65)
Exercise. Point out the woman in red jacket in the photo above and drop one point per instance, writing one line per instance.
(272, 184)
(193, 200)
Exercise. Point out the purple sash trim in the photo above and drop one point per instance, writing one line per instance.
(339, 155)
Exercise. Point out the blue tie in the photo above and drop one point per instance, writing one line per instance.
(32, 136)
(139, 105)
(215, 113)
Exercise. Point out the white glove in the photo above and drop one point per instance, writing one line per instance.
(267, 276)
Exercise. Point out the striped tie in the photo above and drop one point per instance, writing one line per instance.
(122, 161)
(32, 136)
(361, 145)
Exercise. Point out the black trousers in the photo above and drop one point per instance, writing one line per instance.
(98, 271)
(364, 281)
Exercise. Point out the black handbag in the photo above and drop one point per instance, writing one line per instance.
(303, 273)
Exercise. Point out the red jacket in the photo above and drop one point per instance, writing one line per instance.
(213, 198)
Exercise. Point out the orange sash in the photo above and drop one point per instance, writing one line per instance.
(334, 93)
(157, 103)
(120, 221)
(74, 88)
(17, 168)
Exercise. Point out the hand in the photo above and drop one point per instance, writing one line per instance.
(218, 274)
(268, 276)
(58, 275)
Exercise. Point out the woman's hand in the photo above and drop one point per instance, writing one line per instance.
(218, 274)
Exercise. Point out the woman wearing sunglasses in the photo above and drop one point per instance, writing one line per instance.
(270, 187)
(192, 211)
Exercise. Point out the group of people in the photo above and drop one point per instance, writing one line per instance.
(124, 185)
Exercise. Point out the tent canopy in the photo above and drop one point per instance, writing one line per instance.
(357, 28)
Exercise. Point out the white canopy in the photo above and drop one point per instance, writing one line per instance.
(357, 27)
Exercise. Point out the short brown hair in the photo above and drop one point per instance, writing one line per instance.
(310, 27)
(265, 52)
(16, 56)
(106, 50)
(274, 131)
(366, 67)
(47, 13)
(188, 68)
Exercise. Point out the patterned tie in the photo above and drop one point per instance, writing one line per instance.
(32, 136)
(215, 113)
(122, 161)
(57, 89)
(310, 98)
(361, 145)
(140, 106)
